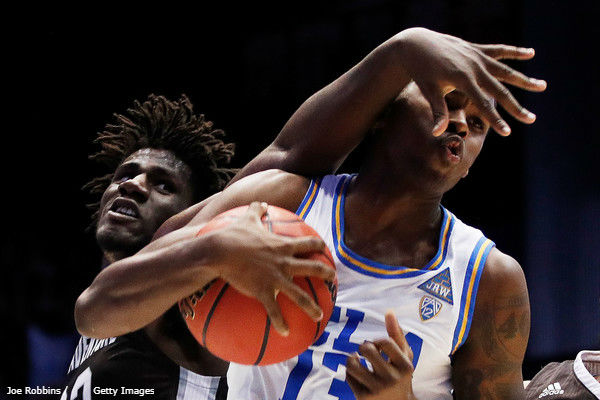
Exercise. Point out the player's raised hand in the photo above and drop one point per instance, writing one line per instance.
(261, 264)
(390, 379)
(439, 63)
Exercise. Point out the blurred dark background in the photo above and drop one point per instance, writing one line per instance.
(535, 193)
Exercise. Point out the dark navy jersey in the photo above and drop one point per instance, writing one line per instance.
(132, 367)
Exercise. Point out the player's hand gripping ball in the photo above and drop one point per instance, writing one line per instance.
(236, 327)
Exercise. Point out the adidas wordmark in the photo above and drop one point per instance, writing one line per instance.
(551, 390)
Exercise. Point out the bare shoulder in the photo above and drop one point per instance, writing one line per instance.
(275, 187)
(502, 307)
(489, 364)
(503, 273)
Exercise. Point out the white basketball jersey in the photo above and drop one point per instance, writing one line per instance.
(434, 306)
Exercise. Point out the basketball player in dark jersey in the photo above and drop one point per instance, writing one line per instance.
(135, 290)
(163, 158)
(153, 152)
(577, 379)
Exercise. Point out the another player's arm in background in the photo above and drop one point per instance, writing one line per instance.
(327, 126)
(489, 364)
(132, 292)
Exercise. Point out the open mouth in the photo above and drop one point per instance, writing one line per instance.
(454, 146)
(124, 207)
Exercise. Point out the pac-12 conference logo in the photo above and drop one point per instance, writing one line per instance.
(429, 308)
(439, 286)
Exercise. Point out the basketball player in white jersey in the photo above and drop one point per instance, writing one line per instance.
(395, 245)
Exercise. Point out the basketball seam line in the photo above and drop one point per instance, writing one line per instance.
(211, 312)
(263, 347)
(315, 297)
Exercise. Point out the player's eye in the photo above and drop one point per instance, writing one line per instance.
(476, 123)
(121, 178)
(165, 187)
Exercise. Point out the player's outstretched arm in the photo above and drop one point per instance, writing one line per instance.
(132, 292)
(390, 379)
(489, 364)
(327, 126)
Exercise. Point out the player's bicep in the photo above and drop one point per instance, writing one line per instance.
(170, 238)
(181, 219)
(274, 187)
(489, 364)
(272, 157)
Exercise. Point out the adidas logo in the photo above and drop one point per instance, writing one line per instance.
(551, 390)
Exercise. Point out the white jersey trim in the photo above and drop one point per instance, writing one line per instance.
(470, 289)
(582, 373)
(195, 386)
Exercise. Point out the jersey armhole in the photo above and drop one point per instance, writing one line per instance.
(309, 198)
(469, 294)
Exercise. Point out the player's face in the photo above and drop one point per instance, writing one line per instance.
(445, 159)
(147, 188)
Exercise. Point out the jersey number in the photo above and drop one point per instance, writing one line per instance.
(84, 380)
(342, 343)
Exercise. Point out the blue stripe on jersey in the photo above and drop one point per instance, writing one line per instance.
(445, 232)
(469, 293)
(298, 375)
(372, 268)
(309, 198)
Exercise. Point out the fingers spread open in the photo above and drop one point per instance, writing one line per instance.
(506, 74)
(303, 299)
(505, 52)
(505, 98)
(487, 108)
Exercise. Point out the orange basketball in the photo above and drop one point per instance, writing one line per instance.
(236, 327)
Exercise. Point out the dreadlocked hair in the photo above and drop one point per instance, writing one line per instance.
(163, 124)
